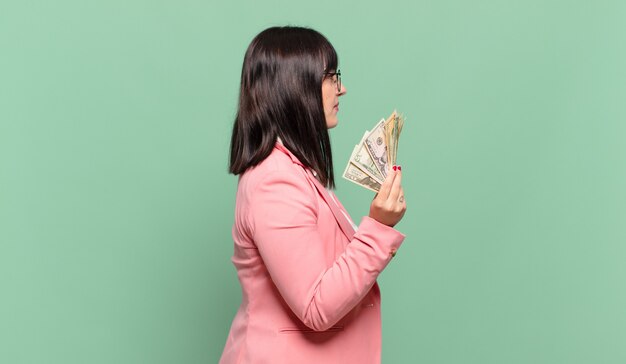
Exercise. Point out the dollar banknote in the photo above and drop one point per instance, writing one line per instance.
(393, 128)
(370, 159)
(377, 148)
(362, 159)
(356, 175)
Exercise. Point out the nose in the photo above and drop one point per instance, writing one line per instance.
(343, 90)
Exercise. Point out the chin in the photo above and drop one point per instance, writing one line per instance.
(332, 123)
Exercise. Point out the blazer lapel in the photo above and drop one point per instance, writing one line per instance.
(344, 224)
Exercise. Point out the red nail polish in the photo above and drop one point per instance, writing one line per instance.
(395, 168)
(399, 168)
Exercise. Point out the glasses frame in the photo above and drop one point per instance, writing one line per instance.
(333, 74)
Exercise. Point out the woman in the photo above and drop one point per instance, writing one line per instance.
(308, 274)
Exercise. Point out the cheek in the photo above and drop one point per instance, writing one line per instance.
(328, 107)
(327, 98)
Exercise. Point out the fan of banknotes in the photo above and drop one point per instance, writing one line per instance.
(375, 154)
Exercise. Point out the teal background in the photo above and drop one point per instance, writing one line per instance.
(116, 207)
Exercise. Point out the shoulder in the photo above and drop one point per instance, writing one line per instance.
(279, 173)
(278, 186)
(277, 163)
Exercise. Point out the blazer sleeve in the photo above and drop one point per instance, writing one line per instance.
(283, 217)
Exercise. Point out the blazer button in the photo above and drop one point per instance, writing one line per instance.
(393, 252)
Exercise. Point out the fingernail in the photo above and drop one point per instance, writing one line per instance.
(399, 168)
(395, 168)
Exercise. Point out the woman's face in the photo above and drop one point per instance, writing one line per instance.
(332, 88)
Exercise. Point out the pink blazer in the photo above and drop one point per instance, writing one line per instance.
(308, 279)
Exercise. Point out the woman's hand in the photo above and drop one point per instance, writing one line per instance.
(388, 206)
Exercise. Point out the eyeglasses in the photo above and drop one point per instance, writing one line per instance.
(336, 77)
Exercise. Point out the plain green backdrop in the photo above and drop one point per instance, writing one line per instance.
(116, 206)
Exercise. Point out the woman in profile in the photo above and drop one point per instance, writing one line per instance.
(308, 274)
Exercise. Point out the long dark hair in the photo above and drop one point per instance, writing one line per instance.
(281, 96)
